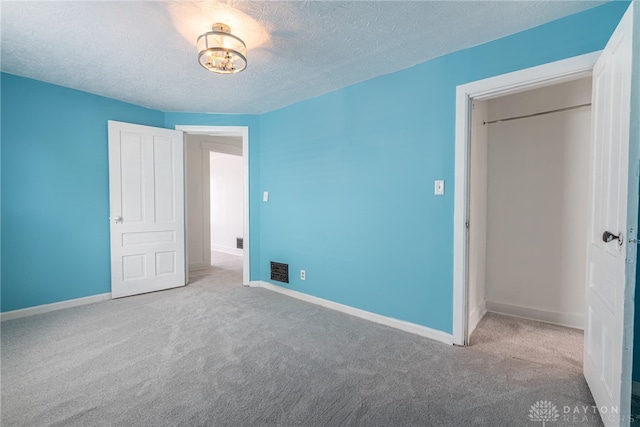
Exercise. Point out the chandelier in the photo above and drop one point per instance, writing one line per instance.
(221, 52)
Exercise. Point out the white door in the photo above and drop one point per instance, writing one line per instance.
(146, 192)
(613, 216)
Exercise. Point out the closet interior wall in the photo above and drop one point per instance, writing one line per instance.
(528, 205)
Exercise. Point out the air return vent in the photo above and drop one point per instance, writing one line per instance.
(239, 243)
(280, 272)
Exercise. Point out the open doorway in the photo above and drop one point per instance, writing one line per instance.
(612, 207)
(226, 228)
(528, 204)
(217, 207)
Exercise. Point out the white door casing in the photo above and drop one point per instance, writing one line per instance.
(609, 256)
(608, 363)
(506, 84)
(146, 192)
(197, 208)
(243, 132)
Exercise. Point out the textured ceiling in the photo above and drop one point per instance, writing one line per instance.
(144, 52)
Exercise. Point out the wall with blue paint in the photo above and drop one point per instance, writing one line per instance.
(55, 198)
(350, 175)
(253, 123)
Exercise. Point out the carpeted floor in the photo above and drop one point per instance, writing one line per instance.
(542, 343)
(635, 409)
(217, 354)
(226, 261)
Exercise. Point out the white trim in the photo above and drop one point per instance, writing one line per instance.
(535, 77)
(570, 320)
(46, 308)
(242, 131)
(229, 250)
(205, 156)
(476, 316)
(635, 388)
(530, 78)
(413, 328)
(215, 130)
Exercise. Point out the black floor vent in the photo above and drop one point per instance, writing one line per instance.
(239, 243)
(280, 272)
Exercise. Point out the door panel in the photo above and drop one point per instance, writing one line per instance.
(606, 368)
(164, 179)
(131, 165)
(146, 185)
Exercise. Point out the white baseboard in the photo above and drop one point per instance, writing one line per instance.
(46, 308)
(570, 320)
(635, 388)
(227, 250)
(363, 314)
(476, 316)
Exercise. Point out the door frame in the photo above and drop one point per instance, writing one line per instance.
(243, 132)
(493, 87)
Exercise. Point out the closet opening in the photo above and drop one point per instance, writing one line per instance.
(528, 203)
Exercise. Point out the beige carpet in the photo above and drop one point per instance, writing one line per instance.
(226, 261)
(225, 268)
(530, 341)
(215, 353)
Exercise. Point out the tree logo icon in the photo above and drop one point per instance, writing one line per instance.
(543, 411)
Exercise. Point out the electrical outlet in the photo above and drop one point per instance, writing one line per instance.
(303, 275)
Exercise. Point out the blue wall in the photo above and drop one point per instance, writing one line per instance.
(350, 175)
(253, 122)
(55, 198)
(55, 180)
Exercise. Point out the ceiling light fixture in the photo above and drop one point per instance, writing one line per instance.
(222, 52)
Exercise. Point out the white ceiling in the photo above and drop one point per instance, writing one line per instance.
(144, 52)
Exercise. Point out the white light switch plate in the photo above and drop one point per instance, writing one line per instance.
(265, 196)
(438, 187)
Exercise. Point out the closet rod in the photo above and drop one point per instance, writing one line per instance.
(537, 114)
